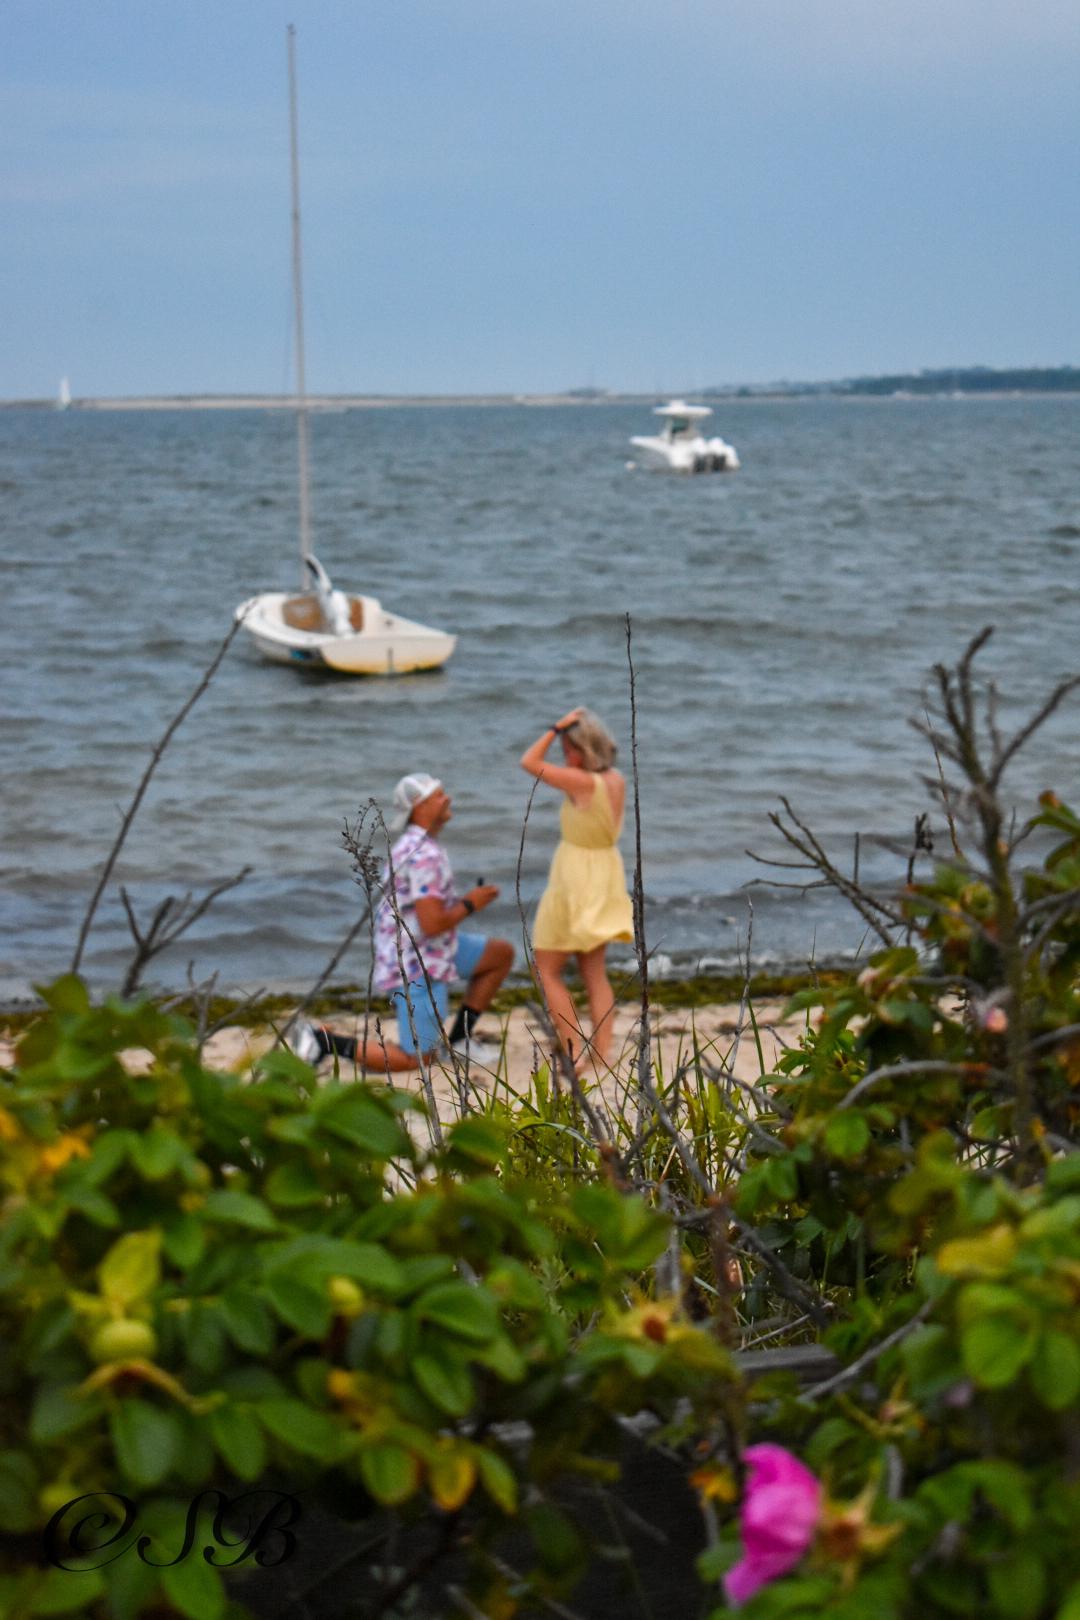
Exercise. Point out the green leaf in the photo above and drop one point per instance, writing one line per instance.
(204, 1337)
(479, 1141)
(990, 1253)
(995, 1348)
(390, 1473)
(447, 1384)
(1055, 1370)
(299, 1305)
(131, 1270)
(59, 1411)
(197, 1461)
(780, 1176)
(320, 1257)
(247, 1321)
(1070, 1608)
(419, 1271)
(466, 1311)
(361, 1121)
(48, 1329)
(147, 1441)
(1018, 1585)
(240, 1441)
(158, 1153)
(558, 1545)
(93, 1204)
(184, 1240)
(1005, 1486)
(298, 1128)
(846, 1135)
(106, 1156)
(503, 1358)
(1063, 1175)
(64, 1592)
(195, 1588)
(67, 994)
(293, 1186)
(131, 1585)
(498, 1479)
(514, 1284)
(1056, 1220)
(641, 1359)
(239, 1209)
(302, 1428)
(18, 1492)
(76, 1064)
(826, 1440)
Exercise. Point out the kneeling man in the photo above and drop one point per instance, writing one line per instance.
(420, 945)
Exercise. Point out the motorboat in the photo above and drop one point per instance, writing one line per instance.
(318, 626)
(680, 446)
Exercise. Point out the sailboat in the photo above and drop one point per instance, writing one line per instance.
(319, 626)
(63, 396)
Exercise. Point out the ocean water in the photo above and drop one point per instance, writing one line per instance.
(784, 623)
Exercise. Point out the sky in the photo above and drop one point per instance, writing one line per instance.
(523, 196)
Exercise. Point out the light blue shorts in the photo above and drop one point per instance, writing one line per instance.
(430, 1007)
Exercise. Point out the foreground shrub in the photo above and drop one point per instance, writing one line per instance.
(206, 1282)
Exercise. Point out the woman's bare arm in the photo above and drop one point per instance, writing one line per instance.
(568, 779)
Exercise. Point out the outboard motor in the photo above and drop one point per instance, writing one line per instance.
(334, 605)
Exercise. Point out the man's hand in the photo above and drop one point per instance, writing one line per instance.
(436, 918)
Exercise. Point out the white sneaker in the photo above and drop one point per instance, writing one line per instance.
(303, 1042)
(485, 1054)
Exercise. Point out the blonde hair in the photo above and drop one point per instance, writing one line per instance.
(593, 741)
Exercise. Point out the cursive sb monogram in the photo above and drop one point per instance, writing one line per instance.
(84, 1538)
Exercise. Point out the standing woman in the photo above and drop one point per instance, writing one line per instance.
(585, 904)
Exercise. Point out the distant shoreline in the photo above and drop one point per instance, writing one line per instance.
(339, 403)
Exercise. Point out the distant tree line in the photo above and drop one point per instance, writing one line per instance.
(950, 380)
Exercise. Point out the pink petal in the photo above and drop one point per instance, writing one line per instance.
(781, 1507)
(749, 1575)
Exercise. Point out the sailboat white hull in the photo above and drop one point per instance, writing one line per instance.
(288, 629)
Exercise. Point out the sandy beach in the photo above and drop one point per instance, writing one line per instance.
(675, 1033)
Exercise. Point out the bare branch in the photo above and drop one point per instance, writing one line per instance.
(869, 1357)
(140, 791)
(1011, 749)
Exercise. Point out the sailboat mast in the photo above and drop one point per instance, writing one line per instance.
(298, 319)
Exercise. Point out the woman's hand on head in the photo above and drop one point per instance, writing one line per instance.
(568, 719)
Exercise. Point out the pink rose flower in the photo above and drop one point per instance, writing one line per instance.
(780, 1512)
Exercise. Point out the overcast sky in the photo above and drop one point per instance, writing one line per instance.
(529, 195)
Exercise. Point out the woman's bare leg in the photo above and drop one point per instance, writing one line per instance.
(549, 970)
(601, 1001)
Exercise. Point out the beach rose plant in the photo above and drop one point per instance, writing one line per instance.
(210, 1281)
(921, 1173)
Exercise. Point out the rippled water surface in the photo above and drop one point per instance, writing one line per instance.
(784, 622)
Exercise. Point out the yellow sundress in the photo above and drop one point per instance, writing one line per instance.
(585, 903)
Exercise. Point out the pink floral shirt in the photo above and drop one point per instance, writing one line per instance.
(422, 871)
